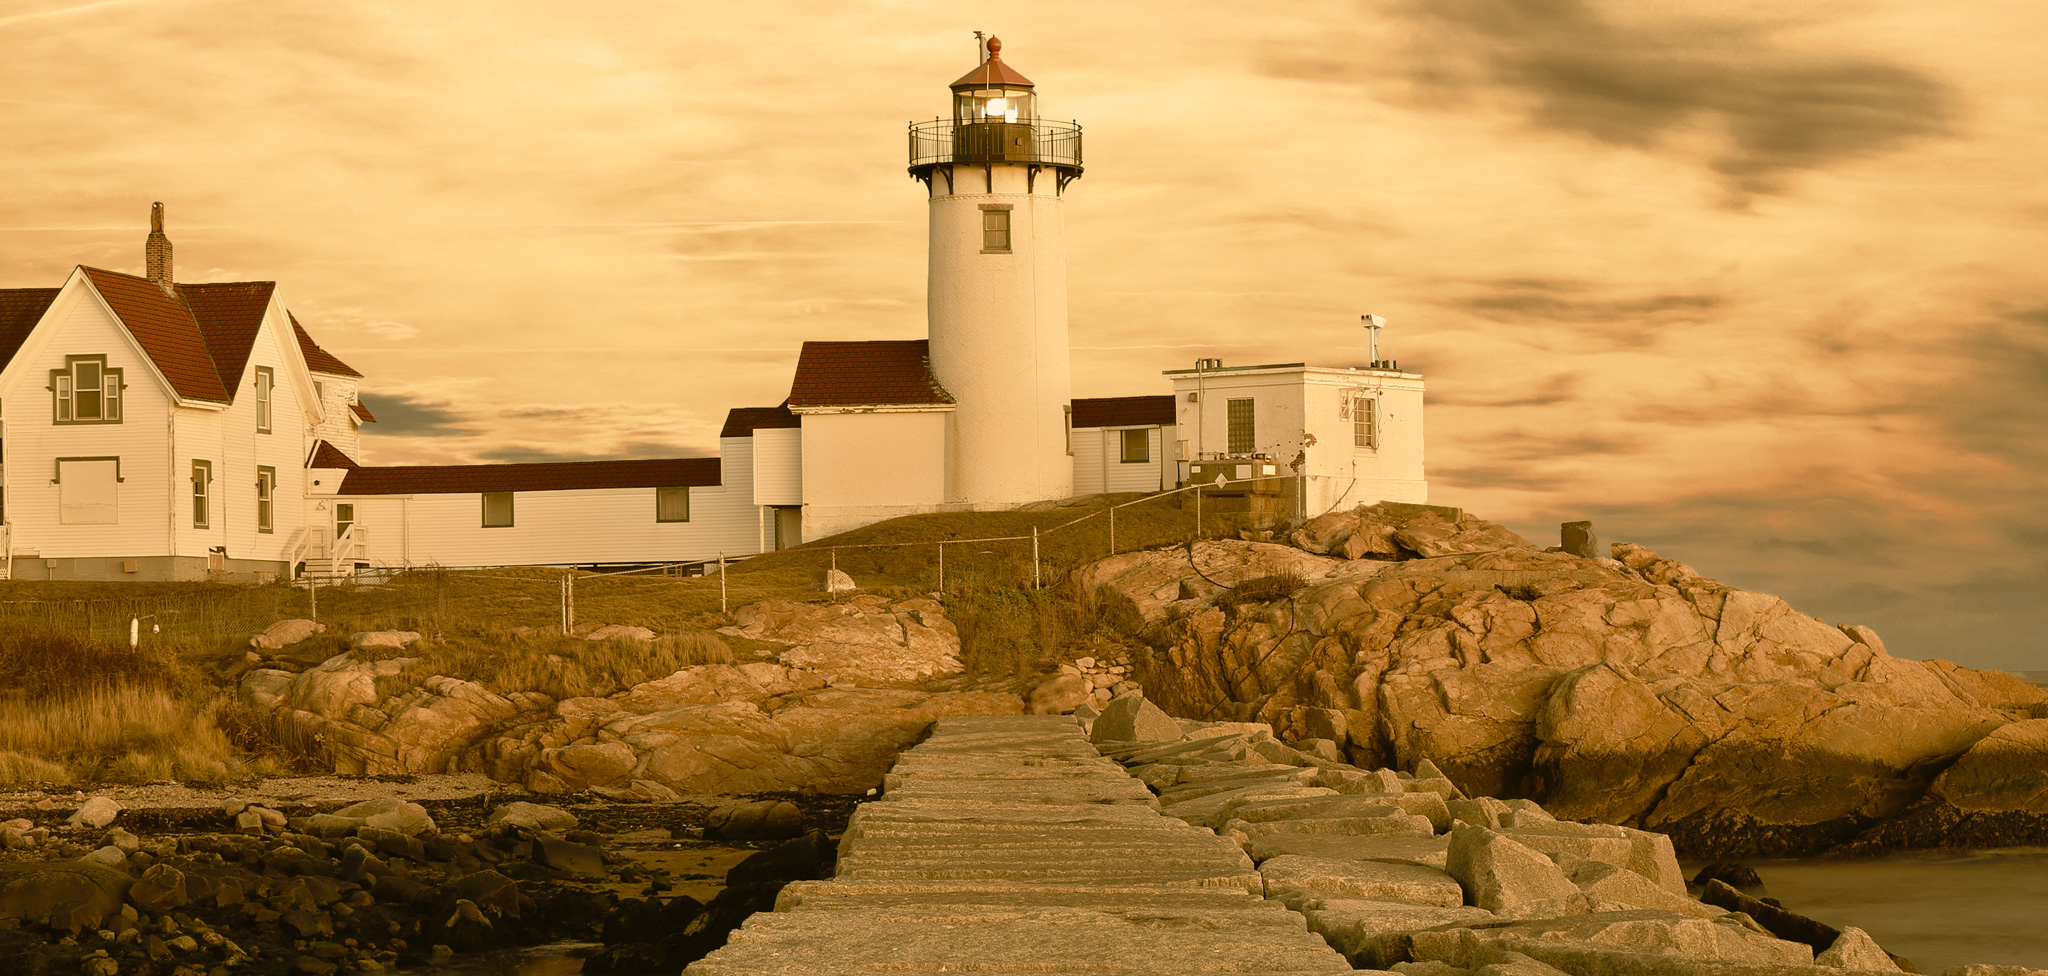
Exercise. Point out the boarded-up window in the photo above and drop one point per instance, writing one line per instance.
(266, 499)
(1137, 446)
(1239, 415)
(671, 504)
(497, 510)
(88, 491)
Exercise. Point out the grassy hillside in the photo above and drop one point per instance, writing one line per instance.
(77, 705)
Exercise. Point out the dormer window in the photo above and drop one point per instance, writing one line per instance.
(85, 391)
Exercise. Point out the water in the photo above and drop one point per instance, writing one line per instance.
(552, 959)
(1937, 908)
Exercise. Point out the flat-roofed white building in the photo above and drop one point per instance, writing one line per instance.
(1352, 434)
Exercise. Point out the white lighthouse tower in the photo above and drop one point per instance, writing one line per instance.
(997, 292)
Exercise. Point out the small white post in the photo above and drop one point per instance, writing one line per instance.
(1034, 557)
(313, 598)
(829, 588)
(134, 632)
(1112, 530)
(721, 582)
(942, 569)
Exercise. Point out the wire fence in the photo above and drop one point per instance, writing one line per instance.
(546, 601)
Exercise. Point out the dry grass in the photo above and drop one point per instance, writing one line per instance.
(165, 710)
(121, 733)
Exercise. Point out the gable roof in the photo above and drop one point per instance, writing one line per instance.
(362, 412)
(326, 455)
(1131, 411)
(166, 330)
(888, 371)
(545, 476)
(20, 310)
(228, 314)
(317, 359)
(744, 421)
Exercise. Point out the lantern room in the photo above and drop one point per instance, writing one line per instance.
(995, 120)
(994, 93)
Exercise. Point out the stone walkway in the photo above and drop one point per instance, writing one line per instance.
(1009, 845)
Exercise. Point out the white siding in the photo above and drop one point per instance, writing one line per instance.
(242, 449)
(338, 425)
(778, 466)
(1130, 476)
(861, 468)
(611, 525)
(1087, 444)
(34, 441)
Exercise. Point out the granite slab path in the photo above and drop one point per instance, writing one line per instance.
(1008, 844)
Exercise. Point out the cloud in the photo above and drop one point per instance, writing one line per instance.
(408, 416)
(1550, 391)
(637, 450)
(1649, 82)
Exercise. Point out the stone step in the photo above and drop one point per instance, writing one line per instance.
(1043, 940)
(840, 893)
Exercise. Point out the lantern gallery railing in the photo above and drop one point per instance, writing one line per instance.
(943, 141)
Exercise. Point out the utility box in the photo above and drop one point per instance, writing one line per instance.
(1254, 485)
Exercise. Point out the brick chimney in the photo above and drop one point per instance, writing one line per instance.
(157, 251)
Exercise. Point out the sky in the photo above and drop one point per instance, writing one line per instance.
(1757, 285)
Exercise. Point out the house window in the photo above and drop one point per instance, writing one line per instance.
(266, 379)
(671, 504)
(497, 510)
(1365, 422)
(266, 499)
(1238, 413)
(319, 391)
(85, 391)
(88, 491)
(995, 229)
(344, 518)
(1137, 446)
(202, 481)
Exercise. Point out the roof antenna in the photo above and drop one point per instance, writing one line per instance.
(1373, 325)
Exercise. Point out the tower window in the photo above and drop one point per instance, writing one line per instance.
(1238, 413)
(995, 228)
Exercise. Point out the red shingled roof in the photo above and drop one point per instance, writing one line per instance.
(20, 310)
(1131, 411)
(317, 359)
(362, 412)
(889, 371)
(993, 72)
(548, 476)
(744, 421)
(228, 314)
(166, 330)
(326, 455)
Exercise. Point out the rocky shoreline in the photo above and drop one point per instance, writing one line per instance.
(314, 885)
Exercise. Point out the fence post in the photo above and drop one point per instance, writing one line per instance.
(1198, 511)
(829, 590)
(313, 598)
(134, 632)
(942, 569)
(1034, 557)
(721, 582)
(1112, 530)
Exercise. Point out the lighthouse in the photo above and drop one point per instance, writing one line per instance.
(996, 173)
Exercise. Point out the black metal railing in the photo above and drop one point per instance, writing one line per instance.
(943, 141)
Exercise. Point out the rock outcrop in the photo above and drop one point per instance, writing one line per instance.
(813, 721)
(1626, 690)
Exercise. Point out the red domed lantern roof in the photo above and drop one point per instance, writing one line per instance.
(993, 73)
